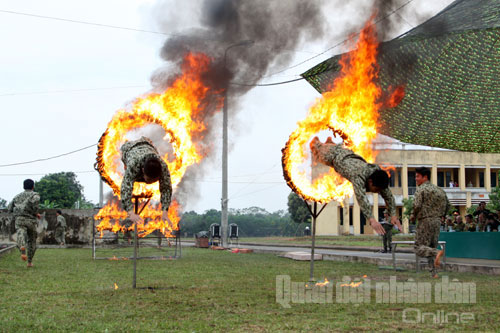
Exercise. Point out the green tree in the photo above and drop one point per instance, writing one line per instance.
(297, 209)
(60, 189)
(494, 203)
(3, 203)
(408, 207)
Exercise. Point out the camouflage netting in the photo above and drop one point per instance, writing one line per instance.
(450, 67)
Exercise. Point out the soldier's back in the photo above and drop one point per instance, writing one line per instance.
(434, 200)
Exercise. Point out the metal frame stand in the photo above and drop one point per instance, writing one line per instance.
(135, 257)
(313, 209)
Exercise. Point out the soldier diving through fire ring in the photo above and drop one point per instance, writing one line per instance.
(364, 176)
(144, 164)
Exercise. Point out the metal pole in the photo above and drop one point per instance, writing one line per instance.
(135, 244)
(314, 215)
(93, 238)
(224, 200)
(101, 193)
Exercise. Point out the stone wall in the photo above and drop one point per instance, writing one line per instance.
(78, 230)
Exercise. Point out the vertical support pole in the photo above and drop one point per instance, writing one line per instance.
(314, 215)
(101, 193)
(135, 244)
(224, 199)
(93, 238)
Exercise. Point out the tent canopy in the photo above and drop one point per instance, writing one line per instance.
(450, 68)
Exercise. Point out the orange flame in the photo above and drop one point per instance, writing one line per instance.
(322, 284)
(350, 110)
(177, 110)
(116, 286)
(352, 284)
(151, 220)
(396, 97)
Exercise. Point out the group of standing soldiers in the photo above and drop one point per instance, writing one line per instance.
(24, 208)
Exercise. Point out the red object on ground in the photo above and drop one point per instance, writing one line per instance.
(246, 250)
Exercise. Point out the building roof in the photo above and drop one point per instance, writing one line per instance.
(450, 68)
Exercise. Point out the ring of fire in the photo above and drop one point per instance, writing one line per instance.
(176, 111)
(297, 180)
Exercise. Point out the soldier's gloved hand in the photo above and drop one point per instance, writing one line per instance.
(377, 226)
(395, 221)
(134, 217)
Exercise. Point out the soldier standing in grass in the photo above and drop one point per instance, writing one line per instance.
(364, 176)
(387, 237)
(143, 164)
(429, 205)
(60, 233)
(24, 206)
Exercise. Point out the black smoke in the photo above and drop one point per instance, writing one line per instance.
(276, 28)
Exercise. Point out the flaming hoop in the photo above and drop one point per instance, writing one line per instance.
(179, 111)
(175, 111)
(350, 111)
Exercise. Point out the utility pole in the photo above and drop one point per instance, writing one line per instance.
(224, 199)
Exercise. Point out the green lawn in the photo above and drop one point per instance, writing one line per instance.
(205, 291)
(364, 240)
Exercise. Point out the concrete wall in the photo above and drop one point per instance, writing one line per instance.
(78, 230)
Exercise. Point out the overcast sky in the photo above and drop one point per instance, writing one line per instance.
(61, 82)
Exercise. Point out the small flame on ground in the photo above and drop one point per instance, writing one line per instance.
(116, 286)
(352, 284)
(322, 284)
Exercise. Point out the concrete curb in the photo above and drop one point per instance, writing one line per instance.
(325, 247)
(407, 264)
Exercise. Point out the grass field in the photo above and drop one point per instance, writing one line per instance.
(206, 291)
(364, 240)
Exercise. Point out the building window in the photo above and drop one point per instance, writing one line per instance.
(412, 184)
(448, 177)
(440, 180)
(392, 180)
(481, 179)
(399, 178)
(494, 179)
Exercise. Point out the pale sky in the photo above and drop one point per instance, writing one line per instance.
(61, 82)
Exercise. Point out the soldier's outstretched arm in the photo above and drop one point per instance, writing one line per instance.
(365, 207)
(126, 191)
(165, 187)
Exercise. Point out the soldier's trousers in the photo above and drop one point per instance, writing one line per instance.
(387, 237)
(426, 239)
(60, 235)
(26, 235)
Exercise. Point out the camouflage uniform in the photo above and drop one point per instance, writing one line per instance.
(387, 237)
(430, 204)
(355, 169)
(134, 154)
(24, 206)
(60, 233)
